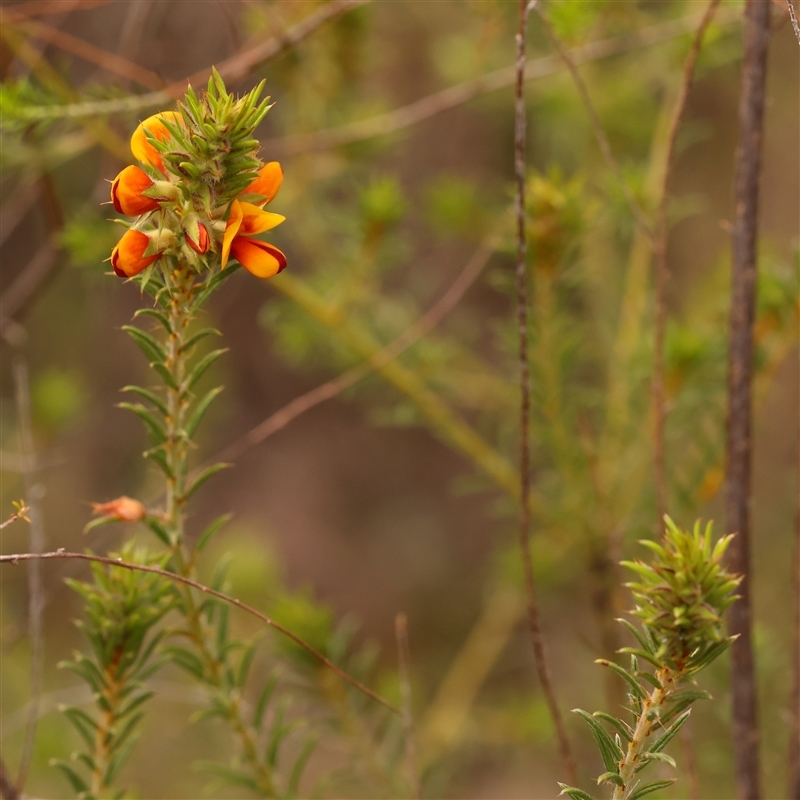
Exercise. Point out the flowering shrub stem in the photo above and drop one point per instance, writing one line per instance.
(649, 718)
(180, 289)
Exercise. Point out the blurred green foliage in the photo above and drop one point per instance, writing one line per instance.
(377, 231)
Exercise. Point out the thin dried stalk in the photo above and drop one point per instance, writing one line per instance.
(33, 496)
(537, 640)
(740, 379)
(110, 62)
(404, 669)
(15, 558)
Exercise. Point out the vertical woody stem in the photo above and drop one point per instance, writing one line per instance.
(740, 378)
(539, 651)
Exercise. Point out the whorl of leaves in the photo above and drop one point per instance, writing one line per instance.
(212, 149)
(682, 593)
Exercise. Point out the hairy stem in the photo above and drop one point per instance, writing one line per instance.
(647, 721)
(537, 640)
(114, 683)
(181, 287)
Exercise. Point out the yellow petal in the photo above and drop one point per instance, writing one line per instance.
(141, 148)
(231, 229)
(255, 220)
(267, 183)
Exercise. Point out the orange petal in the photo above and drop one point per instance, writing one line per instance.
(128, 257)
(125, 509)
(268, 182)
(141, 147)
(203, 242)
(126, 192)
(255, 220)
(231, 229)
(261, 258)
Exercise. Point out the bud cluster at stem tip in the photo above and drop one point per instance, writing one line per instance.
(682, 593)
(200, 193)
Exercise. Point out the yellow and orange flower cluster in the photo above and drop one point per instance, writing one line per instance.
(228, 230)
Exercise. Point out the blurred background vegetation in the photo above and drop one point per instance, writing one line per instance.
(398, 494)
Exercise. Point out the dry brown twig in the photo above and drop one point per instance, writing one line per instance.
(20, 513)
(739, 446)
(88, 52)
(537, 640)
(33, 496)
(15, 558)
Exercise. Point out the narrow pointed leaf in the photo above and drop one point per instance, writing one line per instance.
(647, 656)
(611, 777)
(667, 737)
(207, 473)
(202, 365)
(263, 701)
(293, 787)
(643, 640)
(625, 675)
(158, 529)
(154, 428)
(199, 336)
(147, 344)
(618, 724)
(200, 409)
(213, 528)
(575, 794)
(82, 723)
(611, 754)
(78, 784)
(155, 314)
(151, 397)
(165, 374)
(157, 455)
(650, 787)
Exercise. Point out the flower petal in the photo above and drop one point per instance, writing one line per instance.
(268, 183)
(261, 258)
(256, 220)
(231, 229)
(126, 192)
(141, 148)
(128, 257)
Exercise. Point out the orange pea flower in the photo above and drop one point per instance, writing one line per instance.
(261, 258)
(267, 184)
(141, 147)
(126, 192)
(128, 257)
(124, 509)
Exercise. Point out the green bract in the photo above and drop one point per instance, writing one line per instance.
(680, 597)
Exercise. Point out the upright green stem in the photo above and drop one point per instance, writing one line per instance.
(181, 289)
(648, 719)
(114, 683)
